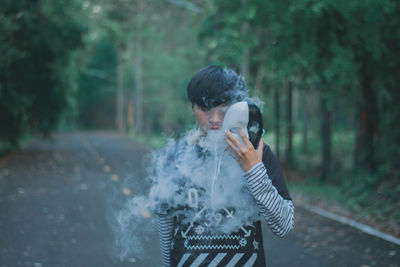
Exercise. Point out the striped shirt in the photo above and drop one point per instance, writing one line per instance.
(275, 206)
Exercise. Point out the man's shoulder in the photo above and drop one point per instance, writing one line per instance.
(274, 171)
(267, 153)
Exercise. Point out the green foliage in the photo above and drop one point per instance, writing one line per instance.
(166, 35)
(316, 192)
(95, 97)
(36, 76)
(364, 196)
(346, 51)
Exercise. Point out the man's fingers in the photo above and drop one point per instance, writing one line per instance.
(233, 139)
(232, 147)
(233, 154)
(245, 139)
(232, 151)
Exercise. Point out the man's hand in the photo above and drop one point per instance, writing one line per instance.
(245, 154)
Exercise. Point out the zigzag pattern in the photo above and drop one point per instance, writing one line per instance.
(212, 247)
(213, 237)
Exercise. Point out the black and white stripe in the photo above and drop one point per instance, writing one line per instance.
(199, 259)
(217, 259)
(279, 212)
(165, 231)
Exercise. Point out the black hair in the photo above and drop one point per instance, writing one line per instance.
(214, 85)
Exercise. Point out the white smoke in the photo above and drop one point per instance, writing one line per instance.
(202, 163)
(193, 162)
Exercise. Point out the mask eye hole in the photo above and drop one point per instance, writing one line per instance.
(234, 130)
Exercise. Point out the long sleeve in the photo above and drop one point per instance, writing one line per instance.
(278, 212)
(165, 231)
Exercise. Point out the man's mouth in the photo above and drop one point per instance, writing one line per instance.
(215, 127)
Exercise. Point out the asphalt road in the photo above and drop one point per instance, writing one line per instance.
(59, 201)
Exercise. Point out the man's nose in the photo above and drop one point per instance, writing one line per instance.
(216, 116)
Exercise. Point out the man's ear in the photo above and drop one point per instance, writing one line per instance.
(192, 107)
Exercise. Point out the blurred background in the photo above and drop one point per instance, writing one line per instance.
(327, 72)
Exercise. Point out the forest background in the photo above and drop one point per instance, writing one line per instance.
(327, 72)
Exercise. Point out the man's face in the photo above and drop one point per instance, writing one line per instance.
(209, 119)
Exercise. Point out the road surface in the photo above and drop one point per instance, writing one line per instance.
(59, 201)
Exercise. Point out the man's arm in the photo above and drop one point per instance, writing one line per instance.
(275, 206)
(165, 231)
(278, 212)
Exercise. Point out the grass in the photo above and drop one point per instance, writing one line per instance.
(377, 206)
(369, 198)
(316, 192)
(310, 156)
(6, 147)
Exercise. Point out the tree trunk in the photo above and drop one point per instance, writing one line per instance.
(277, 121)
(369, 123)
(305, 121)
(289, 124)
(259, 77)
(139, 70)
(325, 138)
(244, 68)
(131, 113)
(138, 90)
(119, 119)
(357, 137)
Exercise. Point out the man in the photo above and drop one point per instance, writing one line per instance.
(192, 242)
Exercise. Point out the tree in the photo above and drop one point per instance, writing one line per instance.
(37, 75)
(153, 51)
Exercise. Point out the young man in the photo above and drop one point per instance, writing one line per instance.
(210, 92)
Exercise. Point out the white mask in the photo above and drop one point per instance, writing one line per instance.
(246, 117)
(237, 117)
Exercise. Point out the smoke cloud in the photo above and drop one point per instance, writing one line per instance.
(191, 175)
(188, 176)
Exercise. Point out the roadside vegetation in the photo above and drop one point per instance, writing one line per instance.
(365, 197)
(326, 71)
